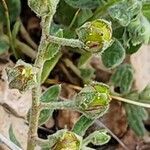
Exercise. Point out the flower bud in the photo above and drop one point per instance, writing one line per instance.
(96, 35)
(93, 100)
(68, 141)
(21, 77)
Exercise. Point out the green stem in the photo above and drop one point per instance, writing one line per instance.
(36, 91)
(60, 105)
(72, 67)
(146, 105)
(74, 19)
(66, 42)
(26, 36)
(8, 28)
(22, 47)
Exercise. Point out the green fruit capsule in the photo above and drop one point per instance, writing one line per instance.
(68, 141)
(96, 35)
(93, 100)
(21, 77)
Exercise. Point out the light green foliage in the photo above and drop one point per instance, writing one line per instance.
(82, 125)
(22, 76)
(52, 55)
(146, 9)
(13, 137)
(50, 95)
(97, 138)
(43, 7)
(14, 8)
(123, 78)
(124, 11)
(139, 30)
(83, 4)
(113, 55)
(96, 35)
(84, 15)
(136, 115)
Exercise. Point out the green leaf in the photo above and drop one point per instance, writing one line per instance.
(123, 78)
(49, 65)
(97, 138)
(133, 49)
(113, 55)
(14, 7)
(124, 11)
(50, 95)
(52, 55)
(136, 115)
(84, 59)
(13, 137)
(43, 7)
(139, 30)
(83, 3)
(84, 15)
(146, 10)
(4, 46)
(145, 94)
(82, 125)
(87, 74)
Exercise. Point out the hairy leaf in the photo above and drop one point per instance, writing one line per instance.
(97, 138)
(124, 11)
(84, 15)
(139, 30)
(123, 78)
(52, 55)
(136, 115)
(113, 55)
(51, 94)
(83, 4)
(43, 7)
(82, 125)
(13, 137)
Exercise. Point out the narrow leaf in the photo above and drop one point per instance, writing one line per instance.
(82, 125)
(50, 95)
(52, 55)
(13, 137)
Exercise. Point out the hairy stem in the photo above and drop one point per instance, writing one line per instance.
(36, 91)
(8, 28)
(59, 105)
(66, 42)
